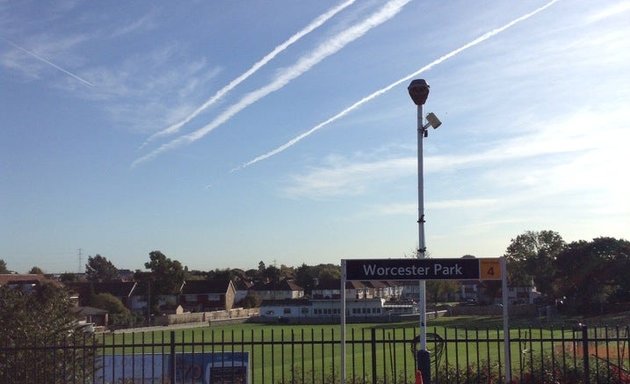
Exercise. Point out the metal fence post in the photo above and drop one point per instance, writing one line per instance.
(172, 352)
(373, 355)
(587, 370)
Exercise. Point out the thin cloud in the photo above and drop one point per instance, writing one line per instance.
(43, 60)
(381, 91)
(613, 10)
(319, 21)
(303, 65)
(569, 140)
(342, 179)
(146, 22)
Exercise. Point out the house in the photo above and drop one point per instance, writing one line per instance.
(286, 308)
(93, 316)
(374, 309)
(330, 289)
(285, 289)
(24, 282)
(242, 287)
(145, 291)
(207, 295)
(526, 294)
(122, 290)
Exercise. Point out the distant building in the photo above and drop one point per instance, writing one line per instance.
(121, 290)
(207, 295)
(330, 309)
(285, 289)
(24, 282)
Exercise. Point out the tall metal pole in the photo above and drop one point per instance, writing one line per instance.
(421, 242)
(343, 321)
(506, 326)
(419, 91)
(424, 357)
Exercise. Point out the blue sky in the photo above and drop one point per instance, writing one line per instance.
(224, 133)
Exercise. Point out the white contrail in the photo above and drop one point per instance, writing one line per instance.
(321, 19)
(48, 62)
(381, 91)
(304, 64)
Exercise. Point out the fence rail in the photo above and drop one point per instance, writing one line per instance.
(298, 355)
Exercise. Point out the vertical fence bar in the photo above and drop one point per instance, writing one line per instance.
(627, 345)
(123, 356)
(172, 353)
(542, 355)
(499, 356)
(282, 355)
(564, 353)
(595, 331)
(273, 360)
(488, 353)
(302, 336)
(575, 348)
(373, 330)
(312, 356)
(253, 358)
(467, 354)
(478, 361)
(587, 368)
(553, 355)
(457, 354)
(332, 353)
(363, 349)
(607, 344)
(323, 353)
(531, 353)
(405, 365)
(352, 348)
(292, 356)
(384, 353)
(619, 357)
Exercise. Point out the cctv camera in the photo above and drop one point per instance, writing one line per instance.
(433, 120)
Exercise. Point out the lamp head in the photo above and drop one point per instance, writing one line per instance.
(419, 91)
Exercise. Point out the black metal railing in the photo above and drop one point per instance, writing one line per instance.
(302, 355)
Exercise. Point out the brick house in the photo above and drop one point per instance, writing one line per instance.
(207, 295)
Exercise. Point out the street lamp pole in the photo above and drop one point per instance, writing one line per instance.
(419, 91)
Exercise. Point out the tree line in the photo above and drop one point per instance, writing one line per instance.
(581, 276)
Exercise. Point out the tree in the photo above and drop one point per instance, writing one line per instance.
(68, 277)
(3, 268)
(252, 300)
(286, 272)
(119, 314)
(328, 272)
(168, 274)
(591, 274)
(99, 269)
(441, 289)
(34, 337)
(305, 276)
(272, 274)
(36, 271)
(530, 256)
(222, 274)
